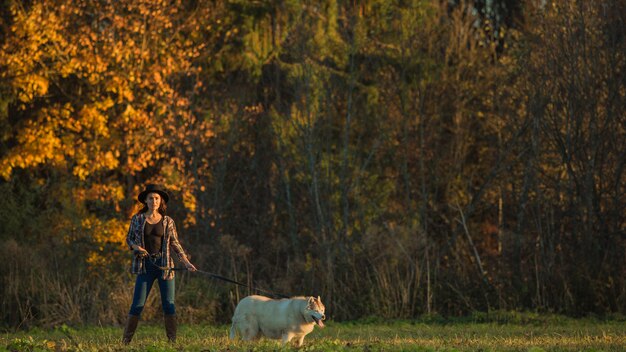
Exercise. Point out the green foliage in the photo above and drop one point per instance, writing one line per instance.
(27, 344)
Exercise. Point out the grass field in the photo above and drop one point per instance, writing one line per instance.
(528, 333)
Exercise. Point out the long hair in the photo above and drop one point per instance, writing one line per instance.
(162, 207)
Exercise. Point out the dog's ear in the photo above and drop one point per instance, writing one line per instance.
(319, 299)
(310, 302)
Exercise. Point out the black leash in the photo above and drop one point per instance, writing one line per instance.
(219, 277)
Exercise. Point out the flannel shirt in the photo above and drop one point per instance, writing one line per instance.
(170, 242)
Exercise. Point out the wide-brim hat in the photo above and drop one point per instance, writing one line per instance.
(152, 188)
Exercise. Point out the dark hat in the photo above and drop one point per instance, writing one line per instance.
(152, 188)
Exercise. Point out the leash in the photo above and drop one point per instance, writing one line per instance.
(218, 277)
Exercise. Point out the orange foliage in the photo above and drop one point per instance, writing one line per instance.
(98, 89)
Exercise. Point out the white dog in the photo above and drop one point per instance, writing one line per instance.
(277, 319)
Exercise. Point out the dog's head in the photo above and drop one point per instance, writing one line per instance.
(315, 311)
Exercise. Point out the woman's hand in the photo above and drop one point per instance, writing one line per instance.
(190, 267)
(140, 251)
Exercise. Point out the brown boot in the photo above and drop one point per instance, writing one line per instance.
(170, 327)
(129, 330)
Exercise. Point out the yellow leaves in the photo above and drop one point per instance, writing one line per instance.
(259, 46)
(157, 77)
(103, 233)
(51, 345)
(92, 118)
(101, 192)
(122, 88)
(190, 203)
(5, 169)
(69, 68)
(30, 87)
(140, 158)
(93, 68)
(90, 159)
(254, 109)
(457, 191)
(59, 134)
(112, 71)
(80, 171)
(130, 114)
(37, 144)
(110, 160)
(38, 33)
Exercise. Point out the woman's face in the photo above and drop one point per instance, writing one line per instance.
(153, 201)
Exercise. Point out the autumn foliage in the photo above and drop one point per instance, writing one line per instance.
(395, 158)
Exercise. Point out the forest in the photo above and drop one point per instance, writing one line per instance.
(398, 158)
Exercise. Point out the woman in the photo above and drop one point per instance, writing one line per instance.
(152, 237)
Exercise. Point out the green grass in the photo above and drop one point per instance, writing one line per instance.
(530, 333)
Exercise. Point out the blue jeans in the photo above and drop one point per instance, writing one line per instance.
(144, 284)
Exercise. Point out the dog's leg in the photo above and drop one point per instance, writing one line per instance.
(248, 333)
(300, 340)
(233, 333)
(287, 336)
(249, 328)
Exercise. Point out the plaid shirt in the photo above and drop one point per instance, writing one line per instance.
(170, 242)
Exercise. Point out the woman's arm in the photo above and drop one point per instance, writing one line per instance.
(132, 239)
(178, 248)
